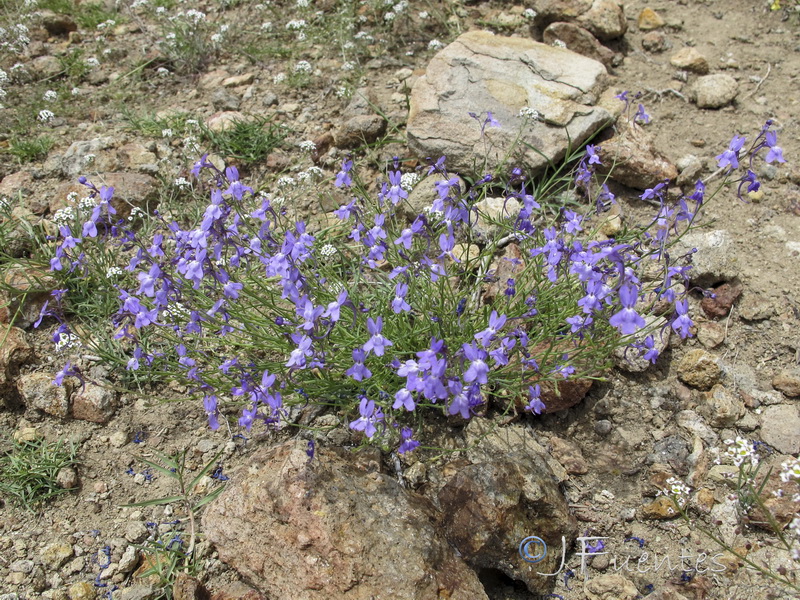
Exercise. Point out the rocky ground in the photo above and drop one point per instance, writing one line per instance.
(349, 526)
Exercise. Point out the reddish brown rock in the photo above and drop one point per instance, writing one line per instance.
(489, 507)
(359, 130)
(569, 454)
(636, 161)
(94, 403)
(724, 296)
(578, 40)
(788, 382)
(655, 41)
(330, 528)
(14, 352)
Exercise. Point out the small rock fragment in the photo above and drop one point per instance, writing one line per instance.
(359, 130)
(722, 408)
(699, 369)
(610, 586)
(756, 307)
(649, 20)
(780, 428)
(714, 91)
(55, 555)
(689, 59)
(655, 41)
(710, 334)
(724, 296)
(637, 162)
(67, 478)
(578, 40)
(788, 382)
(660, 508)
(94, 403)
(81, 590)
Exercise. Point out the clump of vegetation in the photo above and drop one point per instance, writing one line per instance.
(29, 471)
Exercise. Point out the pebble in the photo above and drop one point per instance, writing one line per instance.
(710, 334)
(602, 427)
(721, 407)
(689, 59)
(788, 382)
(724, 296)
(699, 369)
(81, 590)
(656, 41)
(714, 91)
(206, 445)
(660, 508)
(780, 428)
(649, 20)
(56, 554)
(136, 532)
(610, 585)
(755, 307)
(118, 439)
(67, 478)
(21, 566)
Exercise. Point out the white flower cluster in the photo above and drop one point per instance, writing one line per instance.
(559, 44)
(137, 213)
(182, 182)
(195, 16)
(279, 78)
(790, 470)
(177, 311)
(327, 251)
(50, 96)
(303, 66)
(86, 204)
(114, 272)
(286, 181)
(45, 116)
(64, 216)
(266, 26)
(15, 38)
(4, 205)
(67, 340)
(529, 13)
(307, 146)
(526, 112)
(409, 180)
(435, 45)
(678, 490)
(309, 174)
(106, 24)
(92, 62)
(348, 66)
(296, 24)
(740, 450)
(302, 3)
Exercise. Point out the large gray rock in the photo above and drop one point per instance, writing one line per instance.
(482, 72)
(89, 156)
(332, 528)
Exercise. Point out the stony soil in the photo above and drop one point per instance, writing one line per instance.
(623, 440)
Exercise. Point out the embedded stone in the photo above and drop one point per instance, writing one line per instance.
(578, 40)
(714, 91)
(89, 156)
(656, 41)
(359, 130)
(649, 20)
(14, 352)
(610, 586)
(495, 217)
(721, 303)
(94, 403)
(131, 190)
(780, 428)
(788, 382)
(38, 391)
(661, 508)
(689, 59)
(699, 369)
(721, 407)
(480, 71)
(631, 158)
(55, 555)
(326, 530)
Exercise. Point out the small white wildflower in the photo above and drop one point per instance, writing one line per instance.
(790, 470)
(389, 16)
(301, 36)
(526, 112)
(307, 146)
(17, 67)
(72, 197)
(92, 62)
(296, 24)
(137, 213)
(3, 76)
(182, 182)
(64, 216)
(160, 10)
(302, 66)
(409, 180)
(191, 144)
(423, 14)
(66, 340)
(86, 204)
(529, 13)
(286, 181)
(106, 25)
(30, 4)
(314, 171)
(435, 45)
(2, 93)
(348, 66)
(279, 201)
(167, 133)
(114, 272)
(163, 72)
(740, 450)
(4, 205)
(195, 16)
(192, 123)
(223, 29)
(266, 26)
(327, 251)
(279, 78)
(75, 91)
(45, 116)
(559, 44)
(348, 45)
(342, 92)
(89, 158)
(302, 3)
(216, 38)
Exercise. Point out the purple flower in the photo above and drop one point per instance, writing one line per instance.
(460, 403)
(232, 289)
(408, 233)
(343, 177)
(730, 158)
(682, 323)
(399, 303)
(396, 193)
(627, 320)
(346, 210)
(408, 444)
(334, 308)
(536, 406)
(641, 116)
(652, 352)
(496, 323)
(298, 356)
(478, 369)
(248, 416)
(404, 398)
(369, 417)
(775, 152)
(591, 153)
(210, 406)
(359, 371)
(377, 343)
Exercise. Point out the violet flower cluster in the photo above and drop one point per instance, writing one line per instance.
(380, 316)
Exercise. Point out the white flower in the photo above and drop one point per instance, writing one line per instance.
(307, 146)
(559, 44)
(423, 14)
(181, 182)
(327, 251)
(72, 197)
(348, 66)
(409, 180)
(266, 26)
(195, 16)
(740, 450)
(3, 76)
(302, 66)
(389, 16)
(89, 158)
(790, 470)
(92, 62)
(529, 13)
(114, 272)
(279, 78)
(45, 116)
(64, 216)
(302, 3)
(296, 24)
(526, 112)
(162, 72)
(216, 38)
(286, 181)
(435, 45)
(75, 91)
(348, 45)
(167, 133)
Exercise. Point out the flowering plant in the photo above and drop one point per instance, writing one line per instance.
(389, 312)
